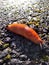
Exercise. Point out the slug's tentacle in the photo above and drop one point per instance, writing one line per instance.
(44, 46)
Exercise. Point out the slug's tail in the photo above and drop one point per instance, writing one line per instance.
(44, 45)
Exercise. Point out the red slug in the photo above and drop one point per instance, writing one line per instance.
(25, 31)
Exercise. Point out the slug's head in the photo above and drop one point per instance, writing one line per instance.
(11, 26)
(8, 27)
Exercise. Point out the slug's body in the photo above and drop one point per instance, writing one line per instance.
(25, 31)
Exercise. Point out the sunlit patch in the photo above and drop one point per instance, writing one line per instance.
(21, 1)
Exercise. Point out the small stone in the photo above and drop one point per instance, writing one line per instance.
(35, 19)
(15, 61)
(3, 34)
(7, 39)
(44, 30)
(5, 52)
(1, 42)
(28, 62)
(47, 18)
(15, 52)
(44, 63)
(13, 45)
(1, 60)
(29, 18)
(7, 57)
(5, 45)
(23, 57)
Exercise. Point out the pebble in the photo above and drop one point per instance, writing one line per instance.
(28, 62)
(3, 34)
(7, 39)
(44, 63)
(29, 18)
(44, 31)
(47, 18)
(15, 52)
(15, 61)
(23, 57)
(5, 52)
(47, 51)
(13, 45)
(1, 60)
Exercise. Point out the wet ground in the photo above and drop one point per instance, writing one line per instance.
(17, 50)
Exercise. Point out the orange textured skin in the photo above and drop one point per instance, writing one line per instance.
(25, 31)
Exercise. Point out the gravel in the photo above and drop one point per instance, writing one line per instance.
(15, 49)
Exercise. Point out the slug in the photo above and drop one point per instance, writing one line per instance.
(25, 31)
